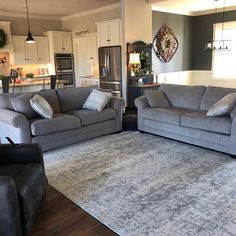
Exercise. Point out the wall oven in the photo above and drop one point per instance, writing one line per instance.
(64, 66)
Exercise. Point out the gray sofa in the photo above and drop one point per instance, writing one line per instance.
(70, 124)
(186, 119)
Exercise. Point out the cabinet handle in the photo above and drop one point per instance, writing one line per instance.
(91, 58)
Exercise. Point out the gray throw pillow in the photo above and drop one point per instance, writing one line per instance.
(41, 106)
(223, 106)
(22, 105)
(97, 100)
(157, 99)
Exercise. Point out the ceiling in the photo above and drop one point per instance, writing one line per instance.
(52, 8)
(59, 8)
(192, 7)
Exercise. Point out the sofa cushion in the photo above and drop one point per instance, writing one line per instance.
(183, 96)
(51, 96)
(41, 106)
(156, 99)
(21, 104)
(72, 98)
(60, 122)
(30, 184)
(167, 115)
(89, 117)
(224, 106)
(213, 95)
(199, 120)
(97, 100)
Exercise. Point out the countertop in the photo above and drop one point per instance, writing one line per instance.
(37, 80)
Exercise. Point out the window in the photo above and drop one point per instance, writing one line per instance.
(223, 62)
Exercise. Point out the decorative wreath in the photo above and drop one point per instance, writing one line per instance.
(3, 38)
(165, 44)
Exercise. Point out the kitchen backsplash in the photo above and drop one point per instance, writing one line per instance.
(6, 67)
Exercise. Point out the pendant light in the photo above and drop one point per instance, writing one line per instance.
(29, 38)
(219, 44)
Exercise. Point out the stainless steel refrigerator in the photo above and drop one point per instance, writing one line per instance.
(110, 69)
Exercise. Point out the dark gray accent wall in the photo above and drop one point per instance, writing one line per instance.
(203, 32)
(182, 28)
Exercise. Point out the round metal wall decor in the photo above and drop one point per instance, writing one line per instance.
(3, 38)
(165, 44)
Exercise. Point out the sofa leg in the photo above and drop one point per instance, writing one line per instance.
(233, 156)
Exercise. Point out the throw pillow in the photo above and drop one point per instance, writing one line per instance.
(41, 106)
(157, 99)
(223, 106)
(97, 100)
(22, 105)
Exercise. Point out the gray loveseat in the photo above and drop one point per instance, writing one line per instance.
(70, 124)
(186, 119)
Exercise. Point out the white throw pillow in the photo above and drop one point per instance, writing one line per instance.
(41, 106)
(223, 106)
(97, 100)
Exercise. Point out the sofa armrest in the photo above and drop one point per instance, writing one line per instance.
(9, 211)
(21, 154)
(141, 102)
(118, 104)
(14, 125)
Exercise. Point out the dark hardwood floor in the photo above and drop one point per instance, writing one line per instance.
(61, 217)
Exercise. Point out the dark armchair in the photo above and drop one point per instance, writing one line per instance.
(22, 187)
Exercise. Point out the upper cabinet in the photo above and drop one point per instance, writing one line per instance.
(42, 50)
(62, 42)
(109, 33)
(30, 53)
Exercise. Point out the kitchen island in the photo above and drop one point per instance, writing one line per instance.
(39, 82)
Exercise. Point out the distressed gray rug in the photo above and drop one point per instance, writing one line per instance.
(140, 184)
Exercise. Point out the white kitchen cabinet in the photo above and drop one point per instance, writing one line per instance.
(18, 56)
(24, 53)
(92, 50)
(30, 53)
(86, 57)
(42, 50)
(109, 33)
(62, 42)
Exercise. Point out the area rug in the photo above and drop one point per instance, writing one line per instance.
(141, 184)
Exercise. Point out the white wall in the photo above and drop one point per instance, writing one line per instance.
(195, 77)
(136, 25)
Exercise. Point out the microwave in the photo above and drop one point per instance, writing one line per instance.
(64, 63)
